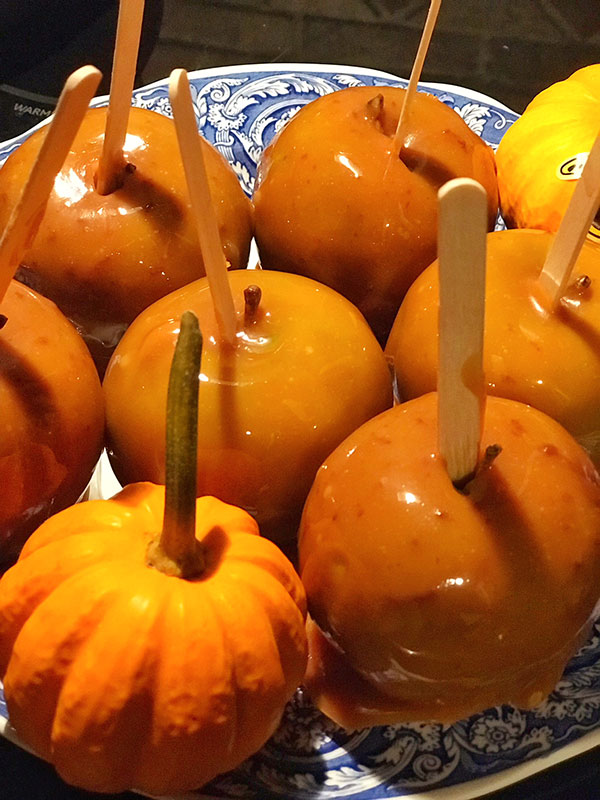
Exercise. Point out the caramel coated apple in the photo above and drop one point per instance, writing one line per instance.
(430, 603)
(102, 259)
(550, 361)
(306, 370)
(331, 204)
(52, 417)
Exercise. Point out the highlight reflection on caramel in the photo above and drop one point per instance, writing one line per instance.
(104, 258)
(270, 409)
(357, 220)
(52, 420)
(550, 361)
(433, 603)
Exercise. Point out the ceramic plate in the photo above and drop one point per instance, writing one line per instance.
(239, 110)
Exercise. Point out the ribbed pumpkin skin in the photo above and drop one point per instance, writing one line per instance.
(123, 677)
(559, 123)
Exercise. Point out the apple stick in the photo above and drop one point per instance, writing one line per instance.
(202, 207)
(415, 74)
(462, 231)
(25, 219)
(129, 27)
(573, 229)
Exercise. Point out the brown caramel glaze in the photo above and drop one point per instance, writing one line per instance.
(103, 259)
(550, 361)
(435, 603)
(353, 703)
(306, 370)
(332, 204)
(52, 421)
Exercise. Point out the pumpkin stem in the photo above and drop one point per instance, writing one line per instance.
(177, 551)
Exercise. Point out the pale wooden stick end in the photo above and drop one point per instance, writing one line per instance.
(461, 383)
(572, 232)
(127, 43)
(415, 74)
(202, 206)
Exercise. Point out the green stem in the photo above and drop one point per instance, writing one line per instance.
(177, 551)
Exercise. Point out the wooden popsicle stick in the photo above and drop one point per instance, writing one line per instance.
(129, 28)
(415, 74)
(25, 219)
(462, 232)
(202, 207)
(573, 229)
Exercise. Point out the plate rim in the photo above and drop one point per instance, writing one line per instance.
(309, 66)
(467, 790)
(284, 67)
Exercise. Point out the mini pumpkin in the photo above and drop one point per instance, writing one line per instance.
(541, 156)
(135, 656)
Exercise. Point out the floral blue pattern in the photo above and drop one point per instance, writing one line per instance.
(240, 113)
(239, 110)
(310, 758)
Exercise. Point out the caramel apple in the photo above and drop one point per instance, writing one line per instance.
(333, 204)
(430, 603)
(304, 371)
(52, 420)
(104, 258)
(548, 360)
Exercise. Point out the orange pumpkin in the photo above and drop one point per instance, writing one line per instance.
(541, 156)
(126, 672)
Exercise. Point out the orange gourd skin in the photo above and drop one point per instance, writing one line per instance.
(124, 677)
(560, 123)
(324, 209)
(437, 604)
(51, 415)
(303, 374)
(102, 259)
(550, 361)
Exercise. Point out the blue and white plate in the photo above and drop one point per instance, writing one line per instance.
(239, 110)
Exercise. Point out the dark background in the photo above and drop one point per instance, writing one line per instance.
(23, 777)
(509, 49)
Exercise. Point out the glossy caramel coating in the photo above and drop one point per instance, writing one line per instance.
(332, 205)
(435, 603)
(305, 372)
(103, 259)
(51, 419)
(550, 361)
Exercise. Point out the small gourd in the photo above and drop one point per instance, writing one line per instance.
(541, 156)
(146, 651)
